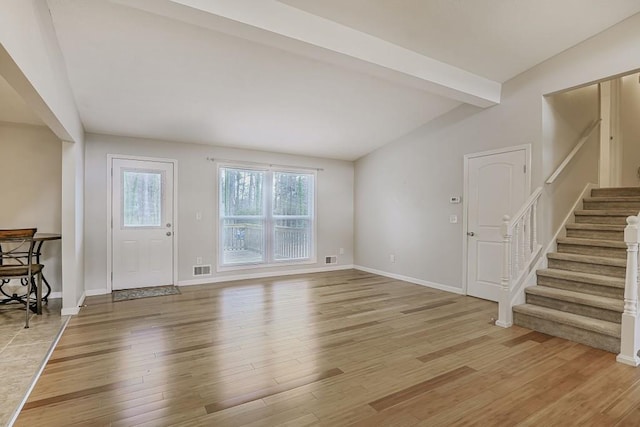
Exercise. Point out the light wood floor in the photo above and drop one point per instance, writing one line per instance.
(331, 349)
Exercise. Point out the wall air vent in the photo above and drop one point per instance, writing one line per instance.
(202, 270)
(331, 259)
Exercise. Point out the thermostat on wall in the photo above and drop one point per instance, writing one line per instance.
(454, 199)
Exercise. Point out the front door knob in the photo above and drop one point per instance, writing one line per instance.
(471, 233)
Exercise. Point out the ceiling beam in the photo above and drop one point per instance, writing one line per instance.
(32, 63)
(279, 25)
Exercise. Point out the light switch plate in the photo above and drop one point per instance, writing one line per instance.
(453, 219)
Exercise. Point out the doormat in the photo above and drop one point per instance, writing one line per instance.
(155, 291)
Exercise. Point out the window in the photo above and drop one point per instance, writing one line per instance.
(266, 216)
(141, 198)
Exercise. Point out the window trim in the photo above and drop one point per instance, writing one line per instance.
(269, 262)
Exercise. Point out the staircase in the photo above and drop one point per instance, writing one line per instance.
(580, 296)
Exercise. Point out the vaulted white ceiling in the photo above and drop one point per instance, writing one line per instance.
(325, 78)
(496, 39)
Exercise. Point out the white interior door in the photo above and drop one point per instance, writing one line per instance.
(142, 223)
(497, 186)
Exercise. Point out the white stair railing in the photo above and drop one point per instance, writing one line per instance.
(520, 250)
(630, 330)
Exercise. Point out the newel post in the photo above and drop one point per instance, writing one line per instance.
(505, 315)
(630, 332)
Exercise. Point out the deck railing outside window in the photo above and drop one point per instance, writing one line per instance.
(291, 242)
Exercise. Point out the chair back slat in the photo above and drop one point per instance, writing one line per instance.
(20, 245)
(17, 234)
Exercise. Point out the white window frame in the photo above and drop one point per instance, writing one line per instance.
(269, 218)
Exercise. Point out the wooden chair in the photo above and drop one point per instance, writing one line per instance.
(16, 262)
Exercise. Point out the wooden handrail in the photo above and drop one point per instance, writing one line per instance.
(573, 152)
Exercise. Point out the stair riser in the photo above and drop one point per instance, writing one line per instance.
(615, 192)
(571, 307)
(601, 219)
(602, 205)
(619, 253)
(605, 270)
(596, 234)
(587, 288)
(589, 338)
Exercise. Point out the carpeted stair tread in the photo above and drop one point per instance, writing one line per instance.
(606, 212)
(580, 295)
(575, 320)
(605, 203)
(615, 191)
(598, 227)
(605, 303)
(588, 259)
(592, 242)
(575, 276)
(613, 199)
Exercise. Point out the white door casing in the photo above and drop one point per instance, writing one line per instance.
(497, 184)
(142, 219)
(605, 161)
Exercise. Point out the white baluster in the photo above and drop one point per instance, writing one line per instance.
(534, 225)
(519, 248)
(630, 334)
(505, 314)
(527, 235)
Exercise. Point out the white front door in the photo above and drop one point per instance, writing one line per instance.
(497, 186)
(142, 223)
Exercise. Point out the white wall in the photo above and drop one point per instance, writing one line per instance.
(30, 168)
(32, 63)
(73, 291)
(402, 189)
(196, 192)
(630, 128)
(565, 117)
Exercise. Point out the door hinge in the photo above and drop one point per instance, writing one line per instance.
(111, 222)
(112, 277)
(524, 168)
(112, 172)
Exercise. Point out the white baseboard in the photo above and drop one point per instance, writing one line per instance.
(89, 293)
(219, 279)
(631, 361)
(94, 292)
(72, 311)
(81, 300)
(413, 280)
(504, 324)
